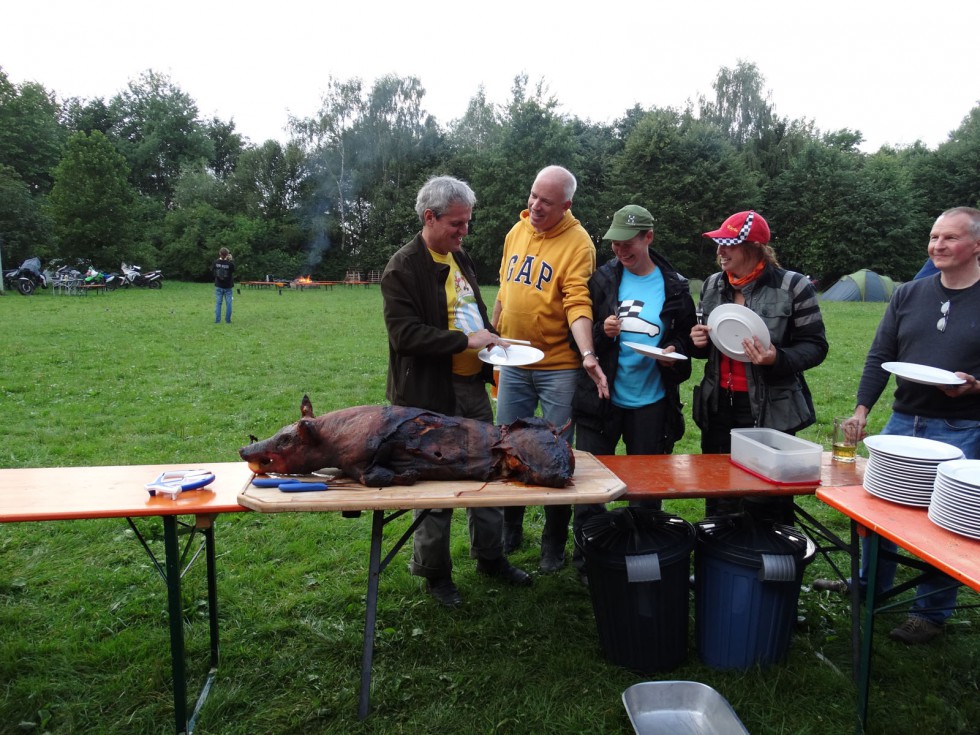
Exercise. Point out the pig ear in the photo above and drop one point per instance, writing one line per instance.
(306, 408)
(307, 430)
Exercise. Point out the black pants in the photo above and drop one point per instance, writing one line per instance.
(641, 429)
(735, 412)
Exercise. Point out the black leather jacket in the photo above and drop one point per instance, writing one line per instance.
(778, 393)
(678, 318)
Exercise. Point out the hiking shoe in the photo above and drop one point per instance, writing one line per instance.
(504, 571)
(831, 585)
(551, 561)
(444, 591)
(916, 630)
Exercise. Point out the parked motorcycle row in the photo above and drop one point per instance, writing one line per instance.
(71, 277)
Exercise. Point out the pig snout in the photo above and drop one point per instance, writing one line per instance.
(259, 459)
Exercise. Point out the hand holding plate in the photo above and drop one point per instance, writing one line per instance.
(972, 385)
(483, 338)
(758, 353)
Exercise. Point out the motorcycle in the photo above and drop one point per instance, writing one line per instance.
(94, 277)
(112, 281)
(132, 275)
(27, 278)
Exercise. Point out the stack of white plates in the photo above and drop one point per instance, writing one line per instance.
(956, 500)
(902, 469)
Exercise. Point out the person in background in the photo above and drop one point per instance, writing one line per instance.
(547, 260)
(437, 321)
(638, 297)
(224, 282)
(764, 386)
(932, 321)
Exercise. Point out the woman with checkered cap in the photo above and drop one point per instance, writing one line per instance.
(757, 385)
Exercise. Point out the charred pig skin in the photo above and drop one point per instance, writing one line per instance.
(396, 445)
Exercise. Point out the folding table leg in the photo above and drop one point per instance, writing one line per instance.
(870, 603)
(175, 614)
(375, 567)
(855, 594)
(374, 573)
(171, 571)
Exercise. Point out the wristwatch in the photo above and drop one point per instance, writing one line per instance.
(587, 353)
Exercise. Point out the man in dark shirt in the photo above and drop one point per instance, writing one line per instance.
(929, 321)
(224, 282)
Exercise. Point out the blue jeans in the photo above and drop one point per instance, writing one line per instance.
(518, 394)
(219, 294)
(934, 604)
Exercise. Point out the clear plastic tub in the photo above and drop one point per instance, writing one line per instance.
(776, 456)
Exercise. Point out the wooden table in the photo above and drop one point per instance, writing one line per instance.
(593, 483)
(73, 493)
(910, 528)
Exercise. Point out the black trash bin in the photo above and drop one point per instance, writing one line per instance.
(638, 561)
(748, 575)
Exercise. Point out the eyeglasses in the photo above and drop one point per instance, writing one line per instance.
(944, 310)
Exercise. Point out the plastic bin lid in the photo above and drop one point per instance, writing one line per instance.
(631, 531)
(744, 540)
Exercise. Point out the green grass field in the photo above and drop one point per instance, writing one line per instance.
(147, 377)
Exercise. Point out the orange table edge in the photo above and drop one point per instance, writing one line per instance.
(910, 528)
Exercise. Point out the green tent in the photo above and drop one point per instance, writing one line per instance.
(862, 285)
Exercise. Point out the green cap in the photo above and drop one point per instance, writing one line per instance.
(628, 222)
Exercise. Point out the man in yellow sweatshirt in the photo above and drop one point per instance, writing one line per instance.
(544, 273)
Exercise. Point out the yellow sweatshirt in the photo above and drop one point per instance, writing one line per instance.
(544, 279)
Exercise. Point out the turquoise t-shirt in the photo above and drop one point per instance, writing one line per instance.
(641, 299)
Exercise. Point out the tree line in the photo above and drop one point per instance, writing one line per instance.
(142, 178)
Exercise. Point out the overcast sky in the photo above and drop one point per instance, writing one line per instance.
(897, 70)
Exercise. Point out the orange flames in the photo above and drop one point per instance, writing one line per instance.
(304, 280)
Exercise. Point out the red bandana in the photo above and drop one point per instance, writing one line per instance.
(747, 279)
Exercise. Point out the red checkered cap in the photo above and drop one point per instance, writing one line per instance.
(741, 227)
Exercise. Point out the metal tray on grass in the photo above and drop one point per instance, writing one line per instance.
(675, 707)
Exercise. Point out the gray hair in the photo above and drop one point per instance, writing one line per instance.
(569, 184)
(973, 214)
(441, 192)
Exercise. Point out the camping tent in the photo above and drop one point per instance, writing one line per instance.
(862, 285)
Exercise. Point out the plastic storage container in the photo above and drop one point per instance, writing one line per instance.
(638, 562)
(776, 456)
(747, 585)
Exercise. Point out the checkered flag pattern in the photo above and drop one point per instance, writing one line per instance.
(742, 233)
(630, 307)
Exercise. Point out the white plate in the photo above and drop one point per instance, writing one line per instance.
(965, 471)
(513, 356)
(922, 373)
(654, 352)
(730, 324)
(913, 447)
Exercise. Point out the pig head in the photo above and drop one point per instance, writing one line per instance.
(536, 453)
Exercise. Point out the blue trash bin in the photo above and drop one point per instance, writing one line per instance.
(638, 562)
(748, 575)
